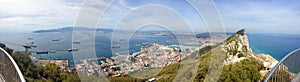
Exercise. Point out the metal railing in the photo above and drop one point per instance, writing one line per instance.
(287, 69)
(9, 70)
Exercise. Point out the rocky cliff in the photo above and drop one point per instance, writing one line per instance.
(237, 47)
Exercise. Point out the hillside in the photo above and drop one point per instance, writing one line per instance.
(232, 60)
(209, 35)
(36, 73)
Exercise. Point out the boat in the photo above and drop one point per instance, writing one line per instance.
(76, 42)
(55, 40)
(74, 49)
(118, 46)
(52, 51)
(42, 52)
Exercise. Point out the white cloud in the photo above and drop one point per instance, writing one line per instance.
(259, 16)
(36, 14)
(156, 12)
(47, 14)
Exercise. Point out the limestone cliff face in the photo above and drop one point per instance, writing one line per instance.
(237, 47)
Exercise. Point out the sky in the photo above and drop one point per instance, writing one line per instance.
(256, 16)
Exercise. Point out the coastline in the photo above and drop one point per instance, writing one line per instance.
(145, 59)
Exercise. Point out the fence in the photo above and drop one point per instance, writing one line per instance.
(9, 70)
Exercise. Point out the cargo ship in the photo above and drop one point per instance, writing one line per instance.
(56, 40)
(118, 46)
(74, 49)
(76, 42)
(42, 52)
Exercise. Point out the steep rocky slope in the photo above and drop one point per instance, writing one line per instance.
(232, 60)
(237, 48)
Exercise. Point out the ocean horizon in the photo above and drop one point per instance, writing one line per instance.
(276, 45)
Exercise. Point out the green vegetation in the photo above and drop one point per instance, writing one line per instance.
(8, 50)
(241, 55)
(231, 38)
(125, 79)
(48, 73)
(148, 73)
(168, 73)
(203, 67)
(205, 49)
(244, 71)
(34, 73)
(30, 71)
(233, 49)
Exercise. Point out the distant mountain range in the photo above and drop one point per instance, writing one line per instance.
(209, 35)
(70, 29)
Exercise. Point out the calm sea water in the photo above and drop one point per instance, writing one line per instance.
(87, 49)
(275, 45)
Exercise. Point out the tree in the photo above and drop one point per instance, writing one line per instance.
(52, 72)
(35, 73)
(246, 71)
(48, 73)
(2, 45)
(8, 50)
(71, 77)
(26, 65)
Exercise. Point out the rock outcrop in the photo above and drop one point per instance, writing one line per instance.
(237, 47)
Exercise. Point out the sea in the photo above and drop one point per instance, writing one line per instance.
(276, 45)
(102, 44)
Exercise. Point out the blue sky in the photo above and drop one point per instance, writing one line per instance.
(257, 16)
